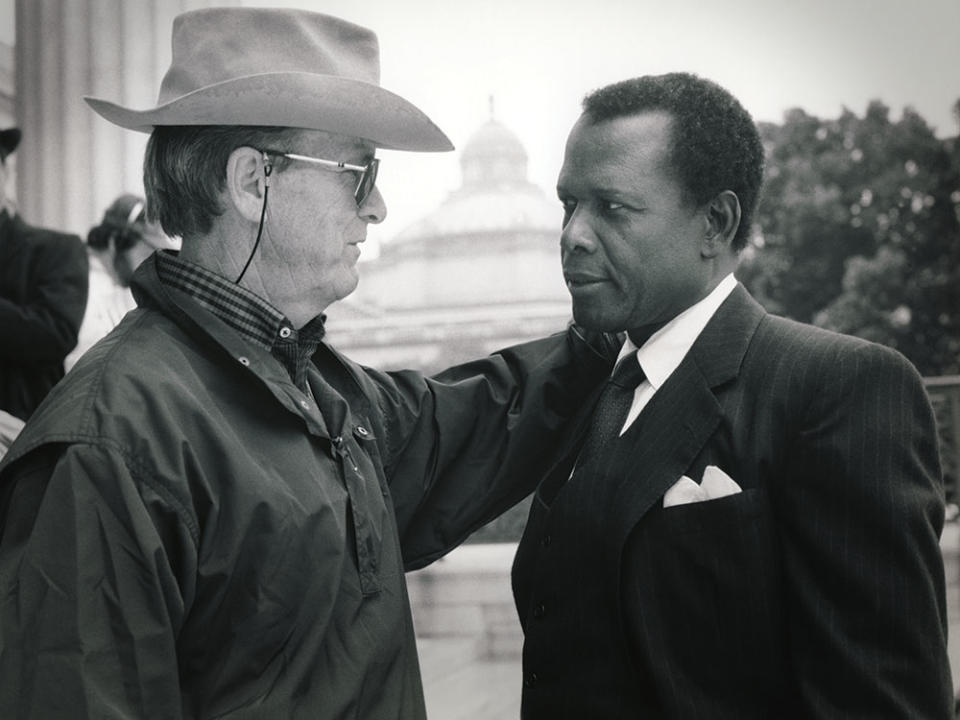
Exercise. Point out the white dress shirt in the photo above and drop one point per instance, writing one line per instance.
(665, 349)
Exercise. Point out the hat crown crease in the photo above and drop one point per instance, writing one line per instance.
(205, 54)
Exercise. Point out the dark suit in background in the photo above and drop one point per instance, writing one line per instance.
(43, 294)
(817, 590)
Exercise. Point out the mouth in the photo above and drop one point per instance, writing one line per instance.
(580, 280)
(352, 252)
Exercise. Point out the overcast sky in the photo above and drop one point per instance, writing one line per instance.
(537, 58)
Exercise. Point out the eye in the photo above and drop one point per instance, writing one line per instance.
(610, 205)
(569, 205)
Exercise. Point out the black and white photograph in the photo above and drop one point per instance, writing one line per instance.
(447, 360)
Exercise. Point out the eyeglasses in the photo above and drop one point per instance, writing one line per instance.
(368, 172)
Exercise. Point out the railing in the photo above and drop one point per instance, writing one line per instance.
(944, 392)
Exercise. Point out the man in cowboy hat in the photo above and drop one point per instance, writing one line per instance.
(211, 516)
(43, 293)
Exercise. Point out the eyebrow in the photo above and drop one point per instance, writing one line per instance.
(597, 191)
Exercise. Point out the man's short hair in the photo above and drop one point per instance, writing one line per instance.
(184, 171)
(714, 145)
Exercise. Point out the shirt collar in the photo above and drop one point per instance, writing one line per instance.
(255, 319)
(665, 349)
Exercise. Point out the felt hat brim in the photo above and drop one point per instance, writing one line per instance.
(292, 99)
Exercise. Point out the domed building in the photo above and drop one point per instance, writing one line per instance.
(480, 272)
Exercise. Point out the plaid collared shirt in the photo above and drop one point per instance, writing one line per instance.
(250, 315)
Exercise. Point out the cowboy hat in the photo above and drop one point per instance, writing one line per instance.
(9, 139)
(286, 68)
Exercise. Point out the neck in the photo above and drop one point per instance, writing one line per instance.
(641, 334)
(224, 250)
(225, 253)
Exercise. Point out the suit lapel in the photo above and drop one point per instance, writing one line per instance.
(681, 417)
(661, 444)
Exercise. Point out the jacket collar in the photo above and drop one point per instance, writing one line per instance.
(719, 351)
(254, 319)
(680, 419)
(684, 411)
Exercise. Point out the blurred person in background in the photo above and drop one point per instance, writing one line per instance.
(122, 240)
(43, 294)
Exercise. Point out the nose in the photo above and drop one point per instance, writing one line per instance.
(374, 209)
(577, 233)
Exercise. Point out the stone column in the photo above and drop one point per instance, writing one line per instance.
(71, 162)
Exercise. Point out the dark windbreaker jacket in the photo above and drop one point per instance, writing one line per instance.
(186, 535)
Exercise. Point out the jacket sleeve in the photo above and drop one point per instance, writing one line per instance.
(469, 443)
(861, 513)
(89, 605)
(46, 326)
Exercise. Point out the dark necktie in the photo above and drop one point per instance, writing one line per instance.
(612, 407)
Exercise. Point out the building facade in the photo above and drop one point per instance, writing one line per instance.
(480, 272)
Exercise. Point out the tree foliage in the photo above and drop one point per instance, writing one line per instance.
(859, 231)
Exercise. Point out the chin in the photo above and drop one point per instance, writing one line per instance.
(596, 318)
(345, 289)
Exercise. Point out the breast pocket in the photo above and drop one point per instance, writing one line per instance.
(703, 578)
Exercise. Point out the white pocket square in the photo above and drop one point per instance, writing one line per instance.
(715, 484)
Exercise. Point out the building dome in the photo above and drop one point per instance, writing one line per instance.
(484, 264)
(494, 198)
(493, 156)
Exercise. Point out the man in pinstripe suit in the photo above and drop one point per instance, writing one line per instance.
(758, 535)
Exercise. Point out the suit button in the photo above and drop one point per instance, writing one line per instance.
(530, 680)
(540, 610)
(545, 540)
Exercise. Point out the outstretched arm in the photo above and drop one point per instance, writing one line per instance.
(469, 443)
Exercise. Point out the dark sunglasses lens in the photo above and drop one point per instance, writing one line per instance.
(367, 181)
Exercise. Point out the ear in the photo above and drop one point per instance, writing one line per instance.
(247, 172)
(722, 218)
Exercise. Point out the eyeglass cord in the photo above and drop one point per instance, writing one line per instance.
(267, 169)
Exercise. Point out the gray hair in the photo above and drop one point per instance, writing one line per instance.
(184, 171)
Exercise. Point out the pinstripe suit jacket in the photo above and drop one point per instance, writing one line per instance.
(816, 592)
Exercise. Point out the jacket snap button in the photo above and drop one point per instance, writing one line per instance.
(361, 430)
(545, 541)
(530, 680)
(284, 332)
(539, 611)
